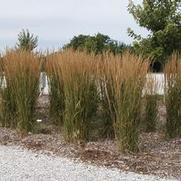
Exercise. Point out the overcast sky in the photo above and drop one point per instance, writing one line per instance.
(57, 21)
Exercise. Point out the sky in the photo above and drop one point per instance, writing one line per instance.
(55, 22)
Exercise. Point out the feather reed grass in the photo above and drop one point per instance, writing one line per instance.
(172, 96)
(22, 72)
(151, 105)
(56, 89)
(78, 71)
(107, 95)
(126, 77)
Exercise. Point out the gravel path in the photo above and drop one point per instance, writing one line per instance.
(17, 164)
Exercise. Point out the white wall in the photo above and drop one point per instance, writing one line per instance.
(157, 78)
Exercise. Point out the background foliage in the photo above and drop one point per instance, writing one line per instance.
(96, 44)
(162, 18)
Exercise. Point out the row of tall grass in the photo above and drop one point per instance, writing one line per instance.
(85, 89)
(109, 84)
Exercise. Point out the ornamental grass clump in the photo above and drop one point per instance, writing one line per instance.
(22, 72)
(78, 70)
(126, 75)
(107, 97)
(151, 105)
(172, 96)
(7, 105)
(56, 89)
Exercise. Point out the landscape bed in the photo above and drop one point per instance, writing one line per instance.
(157, 156)
(97, 110)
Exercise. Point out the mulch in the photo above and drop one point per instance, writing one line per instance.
(157, 155)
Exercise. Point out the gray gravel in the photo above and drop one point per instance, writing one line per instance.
(18, 164)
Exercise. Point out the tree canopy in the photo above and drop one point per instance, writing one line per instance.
(162, 18)
(27, 41)
(96, 44)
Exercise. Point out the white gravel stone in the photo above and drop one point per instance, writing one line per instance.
(18, 164)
